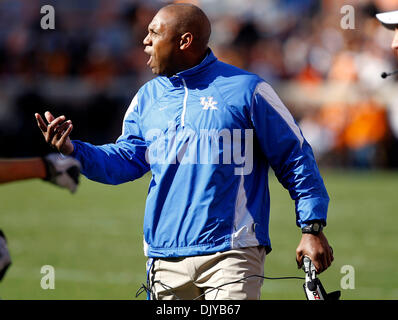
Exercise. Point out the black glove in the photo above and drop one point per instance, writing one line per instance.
(5, 259)
(62, 171)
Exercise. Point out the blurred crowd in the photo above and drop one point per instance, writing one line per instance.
(91, 65)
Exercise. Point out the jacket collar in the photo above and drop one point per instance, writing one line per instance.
(209, 59)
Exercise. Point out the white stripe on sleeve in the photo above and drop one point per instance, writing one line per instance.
(132, 106)
(268, 93)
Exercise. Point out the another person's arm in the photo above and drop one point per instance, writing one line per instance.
(57, 169)
(21, 169)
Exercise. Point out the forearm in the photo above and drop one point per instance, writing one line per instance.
(306, 187)
(21, 169)
(111, 163)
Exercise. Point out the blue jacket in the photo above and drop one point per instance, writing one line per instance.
(208, 135)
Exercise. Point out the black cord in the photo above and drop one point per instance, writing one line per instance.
(245, 278)
(170, 289)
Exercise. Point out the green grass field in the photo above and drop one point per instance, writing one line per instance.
(94, 239)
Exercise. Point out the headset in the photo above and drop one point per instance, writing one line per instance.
(388, 74)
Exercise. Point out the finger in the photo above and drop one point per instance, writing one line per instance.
(324, 260)
(54, 139)
(40, 122)
(59, 131)
(299, 263)
(49, 116)
(317, 262)
(318, 266)
(51, 130)
(330, 256)
(299, 259)
(65, 136)
(55, 123)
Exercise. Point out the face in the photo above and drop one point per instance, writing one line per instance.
(161, 44)
(394, 44)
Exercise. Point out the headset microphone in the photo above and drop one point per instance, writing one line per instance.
(385, 74)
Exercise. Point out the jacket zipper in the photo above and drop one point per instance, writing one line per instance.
(184, 106)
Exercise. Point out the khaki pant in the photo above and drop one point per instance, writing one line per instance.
(198, 277)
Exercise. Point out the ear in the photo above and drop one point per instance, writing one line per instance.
(186, 41)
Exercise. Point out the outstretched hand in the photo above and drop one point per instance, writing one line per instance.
(56, 132)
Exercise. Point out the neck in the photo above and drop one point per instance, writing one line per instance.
(189, 61)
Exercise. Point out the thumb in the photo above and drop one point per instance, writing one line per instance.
(299, 258)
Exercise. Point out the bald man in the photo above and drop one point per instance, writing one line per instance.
(208, 132)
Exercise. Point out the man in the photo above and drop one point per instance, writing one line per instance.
(206, 217)
(390, 21)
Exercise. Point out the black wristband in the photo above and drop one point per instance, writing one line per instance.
(313, 228)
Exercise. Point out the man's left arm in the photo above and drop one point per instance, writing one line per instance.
(293, 162)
